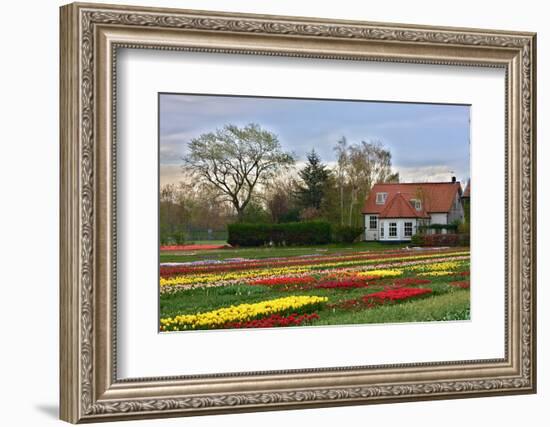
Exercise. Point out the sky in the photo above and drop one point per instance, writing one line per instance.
(428, 142)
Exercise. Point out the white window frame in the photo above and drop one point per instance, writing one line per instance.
(381, 229)
(405, 229)
(371, 218)
(417, 204)
(390, 230)
(381, 198)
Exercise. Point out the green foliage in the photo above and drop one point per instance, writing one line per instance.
(449, 227)
(291, 233)
(254, 212)
(314, 175)
(448, 239)
(417, 240)
(464, 228)
(466, 206)
(346, 234)
(292, 215)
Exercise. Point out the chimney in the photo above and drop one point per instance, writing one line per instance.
(453, 179)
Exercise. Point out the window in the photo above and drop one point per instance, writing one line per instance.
(417, 204)
(382, 229)
(393, 229)
(381, 198)
(408, 229)
(373, 222)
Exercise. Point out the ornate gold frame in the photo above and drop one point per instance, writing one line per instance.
(90, 36)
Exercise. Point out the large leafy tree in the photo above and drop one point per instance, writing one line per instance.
(313, 181)
(236, 161)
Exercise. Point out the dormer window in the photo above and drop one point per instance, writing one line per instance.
(381, 198)
(417, 204)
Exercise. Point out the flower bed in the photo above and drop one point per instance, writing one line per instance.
(253, 293)
(351, 269)
(461, 284)
(275, 320)
(389, 296)
(239, 313)
(311, 263)
(282, 281)
(438, 266)
(436, 273)
(377, 274)
(342, 284)
(411, 281)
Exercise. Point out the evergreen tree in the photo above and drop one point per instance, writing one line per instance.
(314, 176)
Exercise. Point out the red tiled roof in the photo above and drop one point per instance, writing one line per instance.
(435, 197)
(398, 207)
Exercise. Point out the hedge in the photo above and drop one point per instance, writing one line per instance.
(448, 227)
(346, 234)
(290, 233)
(441, 239)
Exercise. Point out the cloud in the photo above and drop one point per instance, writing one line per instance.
(417, 135)
(170, 174)
(435, 120)
(438, 173)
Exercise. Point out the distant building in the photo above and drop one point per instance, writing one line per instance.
(393, 212)
(466, 194)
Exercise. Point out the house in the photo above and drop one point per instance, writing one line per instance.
(394, 212)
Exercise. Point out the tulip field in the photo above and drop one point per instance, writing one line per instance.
(288, 287)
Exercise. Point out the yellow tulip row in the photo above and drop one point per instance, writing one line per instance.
(237, 313)
(436, 273)
(380, 273)
(266, 272)
(440, 266)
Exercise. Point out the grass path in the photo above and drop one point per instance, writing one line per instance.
(185, 256)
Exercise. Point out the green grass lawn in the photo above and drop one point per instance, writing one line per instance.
(269, 252)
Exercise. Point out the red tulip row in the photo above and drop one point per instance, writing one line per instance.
(410, 281)
(462, 284)
(281, 281)
(342, 284)
(275, 320)
(381, 298)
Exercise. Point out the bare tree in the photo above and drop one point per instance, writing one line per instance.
(234, 161)
(359, 167)
(342, 153)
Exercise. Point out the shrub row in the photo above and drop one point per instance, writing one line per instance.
(346, 234)
(290, 233)
(441, 239)
(448, 227)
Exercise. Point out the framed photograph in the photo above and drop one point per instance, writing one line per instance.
(267, 212)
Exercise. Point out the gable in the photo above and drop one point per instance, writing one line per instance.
(435, 197)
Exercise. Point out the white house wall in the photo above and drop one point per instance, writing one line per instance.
(438, 218)
(457, 211)
(369, 233)
(385, 224)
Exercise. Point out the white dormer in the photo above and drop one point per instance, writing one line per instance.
(417, 204)
(381, 198)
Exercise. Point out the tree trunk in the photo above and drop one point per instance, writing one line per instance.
(341, 204)
(240, 213)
